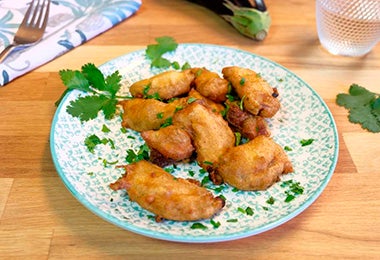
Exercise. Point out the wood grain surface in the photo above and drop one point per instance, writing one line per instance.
(40, 219)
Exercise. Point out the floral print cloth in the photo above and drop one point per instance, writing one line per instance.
(71, 23)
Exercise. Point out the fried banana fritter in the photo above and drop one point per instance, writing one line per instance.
(171, 141)
(210, 132)
(170, 198)
(166, 85)
(210, 84)
(258, 97)
(255, 165)
(148, 114)
(248, 125)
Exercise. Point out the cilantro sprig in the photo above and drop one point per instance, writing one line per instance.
(155, 52)
(103, 92)
(363, 106)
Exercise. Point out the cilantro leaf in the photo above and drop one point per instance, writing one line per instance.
(87, 107)
(74, 79)
(363, 106)
(154, 52)
(161, 63)
(164, 44)
(113, 83)
(91, 142)
(94, 76)
(109, 107)
(91, 80)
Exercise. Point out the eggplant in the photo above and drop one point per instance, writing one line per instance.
(250, 17)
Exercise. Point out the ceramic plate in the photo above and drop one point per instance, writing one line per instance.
(303, 116)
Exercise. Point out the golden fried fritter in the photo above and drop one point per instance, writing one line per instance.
(148, 114)
(210, 132)
(210, 84)
(171, 141)
(248, 125)
(170, 198)
(215, 107)
(255, 165)
(258, 97)
(166, 85)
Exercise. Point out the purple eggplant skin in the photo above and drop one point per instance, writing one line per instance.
(218, 6)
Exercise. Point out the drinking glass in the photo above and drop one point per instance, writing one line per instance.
(348, 27)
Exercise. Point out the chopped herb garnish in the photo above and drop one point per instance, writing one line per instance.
(271, 200)
(305, 142)
(176, 65)
(294, 189)
(186, 66)
(93, 140)
(202, 171)
(288, 148)
(249, 211)
(214, 223)
(232, 220)
(106, 163)
(168, 122)
(205, 180)
(142, 154)
(198, 225)
(242, 81)
(237, 138)
(160, 115)
(241, 104)
(191, 100)
(222, 197)
(105, 129)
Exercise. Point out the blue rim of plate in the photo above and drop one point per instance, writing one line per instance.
(202, 238)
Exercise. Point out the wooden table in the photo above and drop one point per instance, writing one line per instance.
(40, 219)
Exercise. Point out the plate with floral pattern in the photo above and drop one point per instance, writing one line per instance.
(304, 126)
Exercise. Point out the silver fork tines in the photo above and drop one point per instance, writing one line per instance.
(31, 28)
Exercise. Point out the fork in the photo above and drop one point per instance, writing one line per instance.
(31, 28)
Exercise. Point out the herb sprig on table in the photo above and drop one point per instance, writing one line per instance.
(363, 106)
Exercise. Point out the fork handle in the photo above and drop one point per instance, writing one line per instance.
(5, 53)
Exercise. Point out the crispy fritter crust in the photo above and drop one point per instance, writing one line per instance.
(210, 133)
(166, 85)
(255, 165)
(259, 98)
(170, 198)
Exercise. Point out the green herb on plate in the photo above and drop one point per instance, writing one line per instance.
(90, 80)
(198, 225)
(294, 189)
(306, 142)
(93, 140)
(155, 52)
(363, 106)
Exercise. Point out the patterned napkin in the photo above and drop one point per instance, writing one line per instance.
(71, 23)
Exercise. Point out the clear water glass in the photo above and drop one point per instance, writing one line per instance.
(348, 27)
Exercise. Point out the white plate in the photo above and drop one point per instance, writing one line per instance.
(303, 115)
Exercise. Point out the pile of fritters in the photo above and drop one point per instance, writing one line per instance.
(197, 115)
